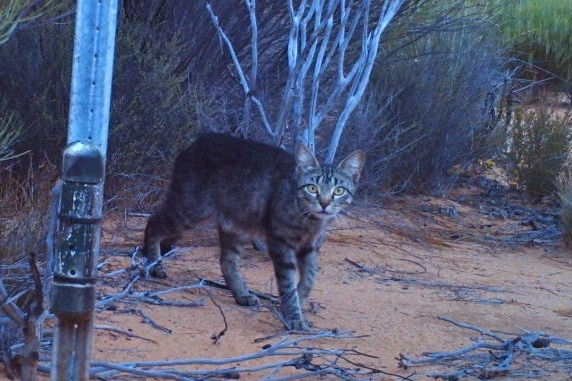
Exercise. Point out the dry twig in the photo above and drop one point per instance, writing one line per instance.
(29, 319)
(529, 353)
(304, 359)
(296, 357)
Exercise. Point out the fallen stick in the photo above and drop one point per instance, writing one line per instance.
(310, 361)
(528, 353)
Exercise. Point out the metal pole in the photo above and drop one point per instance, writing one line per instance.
(81, 200)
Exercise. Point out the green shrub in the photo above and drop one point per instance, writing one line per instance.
(152, 115)
(565, 193)
(430, 98)
(11, 130)
(35, 70)
(13, 13)
(565, 196)
(538, 143)
(539, 30)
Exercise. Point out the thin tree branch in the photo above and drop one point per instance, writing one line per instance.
(370, 47)
(246, 87)
(301, 357)
(487, 360)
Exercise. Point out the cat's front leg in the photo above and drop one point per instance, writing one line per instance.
(307, 268)
(284, 261)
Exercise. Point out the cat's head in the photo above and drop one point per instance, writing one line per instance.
(324, 191)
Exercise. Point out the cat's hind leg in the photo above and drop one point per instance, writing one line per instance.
(161, 233)
(168, 243)
(231, 244)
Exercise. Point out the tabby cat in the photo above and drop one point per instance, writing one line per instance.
(251, 190)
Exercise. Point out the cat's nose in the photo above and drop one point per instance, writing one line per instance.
(324, 202)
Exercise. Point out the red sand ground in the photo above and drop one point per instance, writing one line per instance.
(418, 263)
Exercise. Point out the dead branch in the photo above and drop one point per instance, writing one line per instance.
(430, 283)
(140, 269)
(248, 86)
(8, 306)
(459, 291)
(146, 319)
(127, 295)
(331, 49)
(28, 319)
(110, 298)
(217, 336)
(212, 283)
(532, 352)
(32, 327)
(482, 331)
(298, 357)
(122, 332)
(381, 269)
(305, 360)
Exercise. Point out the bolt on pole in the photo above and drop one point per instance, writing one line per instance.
(81, 200)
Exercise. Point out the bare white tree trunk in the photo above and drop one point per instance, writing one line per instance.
(247, 86)
(362, 66)
(251, 4)
(332, 46)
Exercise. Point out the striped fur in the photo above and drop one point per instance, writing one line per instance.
(251, 190)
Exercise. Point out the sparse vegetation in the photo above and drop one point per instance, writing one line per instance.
(14, 13)
(539, 141)
(432, 104)
(28, 78)
(538, 30)
(153, 115)
(565, 196)
(566, 204)
(436, 86)
(11, 131)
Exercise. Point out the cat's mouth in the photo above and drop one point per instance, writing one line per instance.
(322, 213)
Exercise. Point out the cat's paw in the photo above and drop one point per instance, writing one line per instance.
(247, 300)
(158, 271)
(299, 325)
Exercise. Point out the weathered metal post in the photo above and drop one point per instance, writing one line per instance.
(80, 207)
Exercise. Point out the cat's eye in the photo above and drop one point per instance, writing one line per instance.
(339, 191)
(312, 188)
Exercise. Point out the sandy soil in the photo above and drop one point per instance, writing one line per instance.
(386, 274)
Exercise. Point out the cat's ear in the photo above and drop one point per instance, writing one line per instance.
(305, 159)
(353, 164)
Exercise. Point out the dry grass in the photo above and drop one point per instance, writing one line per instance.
(23, 218)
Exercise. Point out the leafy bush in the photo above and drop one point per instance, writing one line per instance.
(11, 130)
(434, 81)
(35, 67)
(539, 141)
(152, 116)
(16, 12)
(427, 104)
(152, 113)
(539, 29)
(24, 216)
(565, 193)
